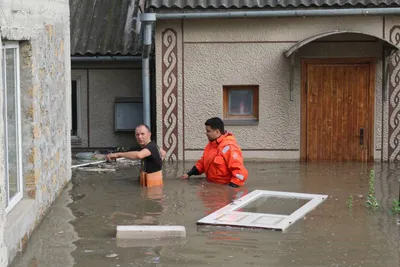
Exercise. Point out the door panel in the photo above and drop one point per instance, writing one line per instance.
(337, 107)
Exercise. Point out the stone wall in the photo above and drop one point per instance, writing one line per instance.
(42, 29)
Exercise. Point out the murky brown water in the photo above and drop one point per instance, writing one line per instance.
(331, 235)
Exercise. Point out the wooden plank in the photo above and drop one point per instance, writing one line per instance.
(350, 133)
(362, 110)
(336, 99)
(345, 116)
(371, 110)
(312, 114)
(329, 98)
(303, 115)
(319, 111)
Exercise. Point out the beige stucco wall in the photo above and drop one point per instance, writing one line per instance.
(250, 51)
(274, 29)
(104, 86)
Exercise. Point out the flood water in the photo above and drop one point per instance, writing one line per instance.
(81, 227)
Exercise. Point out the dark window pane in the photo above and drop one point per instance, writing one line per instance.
(74, 130)
(240, 102)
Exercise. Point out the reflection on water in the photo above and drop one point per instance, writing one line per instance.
(331, 235)
(215, 196)
(274, 205)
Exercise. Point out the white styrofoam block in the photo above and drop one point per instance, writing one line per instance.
(153, 242)
(150, 231)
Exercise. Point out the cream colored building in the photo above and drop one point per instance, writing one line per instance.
(311, 85)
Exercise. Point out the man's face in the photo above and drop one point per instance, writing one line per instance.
(212, 134)
(142, 135)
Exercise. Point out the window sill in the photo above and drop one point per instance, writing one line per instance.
(240, 122)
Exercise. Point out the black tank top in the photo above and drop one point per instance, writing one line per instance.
(152, 163)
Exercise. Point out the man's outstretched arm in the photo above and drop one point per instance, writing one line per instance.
(196, 170)
(129, 155)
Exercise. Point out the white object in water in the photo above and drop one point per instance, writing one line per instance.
(150, 231)
(96, 169)
(87, 164)
(230, 215)
(99, 162)
(150, 242)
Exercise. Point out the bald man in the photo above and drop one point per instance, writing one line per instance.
(151, 157)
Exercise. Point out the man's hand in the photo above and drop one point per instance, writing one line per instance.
(233, 185)
(185, 176)
(112, 156)
(162, 153)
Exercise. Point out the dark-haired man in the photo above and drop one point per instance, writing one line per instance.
(222, 159)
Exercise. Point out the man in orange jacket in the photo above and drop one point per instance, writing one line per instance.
(222, 159)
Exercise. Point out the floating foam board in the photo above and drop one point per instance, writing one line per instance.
(154, 242)
(149, 231)
(230, 215)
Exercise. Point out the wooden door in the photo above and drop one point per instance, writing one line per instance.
(337, 110)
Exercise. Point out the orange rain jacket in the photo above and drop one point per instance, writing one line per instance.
(222, 161)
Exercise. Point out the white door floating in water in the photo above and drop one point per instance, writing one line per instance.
(282, 209)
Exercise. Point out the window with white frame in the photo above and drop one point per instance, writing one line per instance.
(12, 124)
(75, 109)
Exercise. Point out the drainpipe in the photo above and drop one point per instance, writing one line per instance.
(282, 13)
(147, 20)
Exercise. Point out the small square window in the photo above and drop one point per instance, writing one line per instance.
(241, 103)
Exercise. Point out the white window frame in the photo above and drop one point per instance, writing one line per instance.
(78, 107)
(230, 216)
(10, 203)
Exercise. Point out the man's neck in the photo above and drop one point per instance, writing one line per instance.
(146, 144)
(215, 140)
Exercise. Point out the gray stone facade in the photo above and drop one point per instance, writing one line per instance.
(42, 29)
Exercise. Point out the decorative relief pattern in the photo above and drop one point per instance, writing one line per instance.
(170, 93)
(394, 98)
